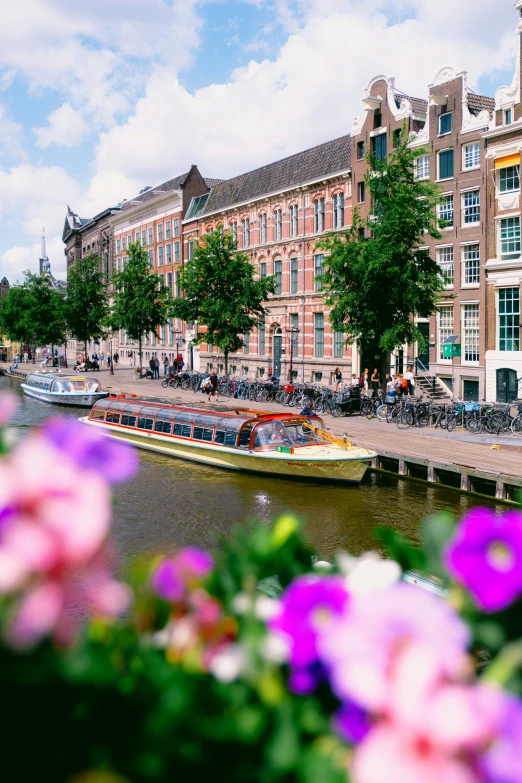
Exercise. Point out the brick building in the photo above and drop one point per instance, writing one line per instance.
(449, 125)
(278, 212)
(504, 262)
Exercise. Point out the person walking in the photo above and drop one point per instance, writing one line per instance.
(101, 357)
(116, 358)
(213, 386)
(391, 391)
(156, 367)
(108, 361)
(338, 378)
(364, 380)
(355, 380)
(165, 364)
(375, 381)
(410, 378)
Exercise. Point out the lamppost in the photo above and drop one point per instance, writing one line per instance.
(34, 349)
(111, 365)
(292, 330)
(178, 334)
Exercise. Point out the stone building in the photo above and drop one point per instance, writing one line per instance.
(278, 213)
(449, 126)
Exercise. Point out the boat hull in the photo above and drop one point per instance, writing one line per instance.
(319, 463)
(76, 399)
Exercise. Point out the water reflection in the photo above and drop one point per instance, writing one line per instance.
(175, 503)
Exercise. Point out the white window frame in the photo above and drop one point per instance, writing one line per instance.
(475, 145)
(422, 170)
(442, 329)
(463, 209)
(463, 306)
(509, 109)
(497, 314)
(464, 248)
(159, 232)
(498, 220)
(497, 181)
(445, 179)
(439, 250)
(439, 210)
(445, 114)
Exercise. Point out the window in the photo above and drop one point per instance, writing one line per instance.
(262, 228)
(379, 147)
(294, 220)
(124, 243)
(377, 119)
(128, 421)
(446, 210)
(508, 116)
(145, 424)
(509, 238)
(446, 164)
(445, 326)
(319, 335)
(190, 248)
(361, 192)
(294, 336)
(233, 229)
(203, 433)
(151, 257)
(445, 123)
(182, 430)
(338, 210)
(319, 270)
(471, 257)
(178, 286)
(360, 150)
(176, 252)
(143, 238)
(471, 153)
(175, 225)
(471, 207)
(162, 426)
(160, 256)
(160, 232)
(137, 236)
(362, 233)
(278, 274)
(509, 319)
(246, 342)
(319, 215)
(470, 322)
(246, 232)
(150, 236)
(261, 336)
(169, 281)
(509, 179)
(338, 345)
(118, 244)
(262, 270)
(294, 272)
(168, 249)
(278, 225)
(396, 137)
(422, 167)
(167, 229)
(446, 264)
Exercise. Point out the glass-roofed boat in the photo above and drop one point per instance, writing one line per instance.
(274, 443)
(61, 389)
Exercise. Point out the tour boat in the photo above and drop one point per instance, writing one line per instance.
(283, 444)
(63, 389)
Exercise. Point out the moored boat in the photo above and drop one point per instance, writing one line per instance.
(283, 444)
(61, 389)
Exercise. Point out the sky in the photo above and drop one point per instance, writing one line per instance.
(99, 99)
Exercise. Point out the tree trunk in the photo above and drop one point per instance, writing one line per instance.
(226, 363)
(85, 350)
(52, 355)
(139, 345)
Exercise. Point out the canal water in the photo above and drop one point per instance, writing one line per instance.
(175, 503)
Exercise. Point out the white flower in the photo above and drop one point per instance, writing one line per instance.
(266, 608)
(274, 649)
(227, 664)
(371, 572)
(241, 603)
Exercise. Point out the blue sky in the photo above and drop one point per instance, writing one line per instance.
(99, 99)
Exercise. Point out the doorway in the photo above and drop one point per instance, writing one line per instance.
(423, 359)
(506, 385)
(471, 391)
(277, 351)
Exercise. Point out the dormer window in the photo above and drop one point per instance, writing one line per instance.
(377, 119)
(508, 116)
(445, 123)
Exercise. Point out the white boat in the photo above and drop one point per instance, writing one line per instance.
(282, 444)
(62, 389)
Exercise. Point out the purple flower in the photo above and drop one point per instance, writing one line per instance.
(352, 723)
(194, 563)
(91, 450)
(486, 557)
(166, 581)
(172, 576)
(503, 762)
(307, 606)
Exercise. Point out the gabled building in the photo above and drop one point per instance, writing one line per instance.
(278, 213)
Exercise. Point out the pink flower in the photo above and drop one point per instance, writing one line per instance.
(9, 404)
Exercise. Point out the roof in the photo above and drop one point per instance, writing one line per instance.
(478, 103)
(151, 193)
(210, 182)
(312, 164)
(197, 205)
(419, 105)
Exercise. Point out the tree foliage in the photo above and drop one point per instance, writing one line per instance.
(34, 312)
(221, 294)
(86, 304)
(142, 301)
(377, 278)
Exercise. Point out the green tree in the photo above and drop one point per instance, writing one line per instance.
(86, 304)
(142, 302)
(34, 312)
(13, 321)
(220, 293)
(377, 278)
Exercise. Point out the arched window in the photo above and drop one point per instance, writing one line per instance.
(262, 228)
(233, 229)
(294, 220)
(246, 232)
(319, 215)
(278, 275)
(278, 225)
(338, 210)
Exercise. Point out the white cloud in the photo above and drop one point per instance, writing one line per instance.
(66, 127)
(11, 135)
(19, 259)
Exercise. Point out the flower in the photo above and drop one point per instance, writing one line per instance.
(8, 406)
(228, 662)
(309, 604)
(166, 581)
(486, 557)
(359, 647)
(93, 451)
(172, 576)
(351, 722)
(368, 572)
(503, 762)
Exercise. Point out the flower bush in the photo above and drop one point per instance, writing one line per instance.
(251, 664)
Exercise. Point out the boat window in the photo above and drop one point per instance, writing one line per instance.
(231, 423)
(105, 403)
(183, 430)
(78, 384)
(207, 420)
(219, 437)
(186, 415)
(302, 435)
(203, 433)
(145, 424)
(148, 411)
(128, 421)
(225, 438)
(128, 408)
(244, 436)
(162, 426)
(98, 415)
(91, 385)
(114, 418)
(166, 413)
(270, 434)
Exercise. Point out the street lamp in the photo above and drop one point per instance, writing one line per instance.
(111, 365)
(178, 334)
(292, 330)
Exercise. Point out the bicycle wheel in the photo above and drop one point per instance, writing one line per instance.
(451, 421)
(186, 384)
(405, 420)
(516, 425)
(320, 406)
(367, 408)
(423, 418)
(392, 413)
(473, 424)
(165, 383)
(382, 412)
(336, 411)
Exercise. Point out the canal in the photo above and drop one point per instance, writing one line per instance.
(174, 503)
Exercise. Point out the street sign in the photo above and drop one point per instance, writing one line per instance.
(451, 351)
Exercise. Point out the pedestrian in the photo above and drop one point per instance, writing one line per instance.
(101, 357)
(151, 365)
(213, 386)
(109, 360)
(375, 381)
(165, 365)
(391, 392)
(156, 367)
(338, 378)
(410, 378)
(180, 362)
(116, 358)
(364, 380)
(355, 380)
